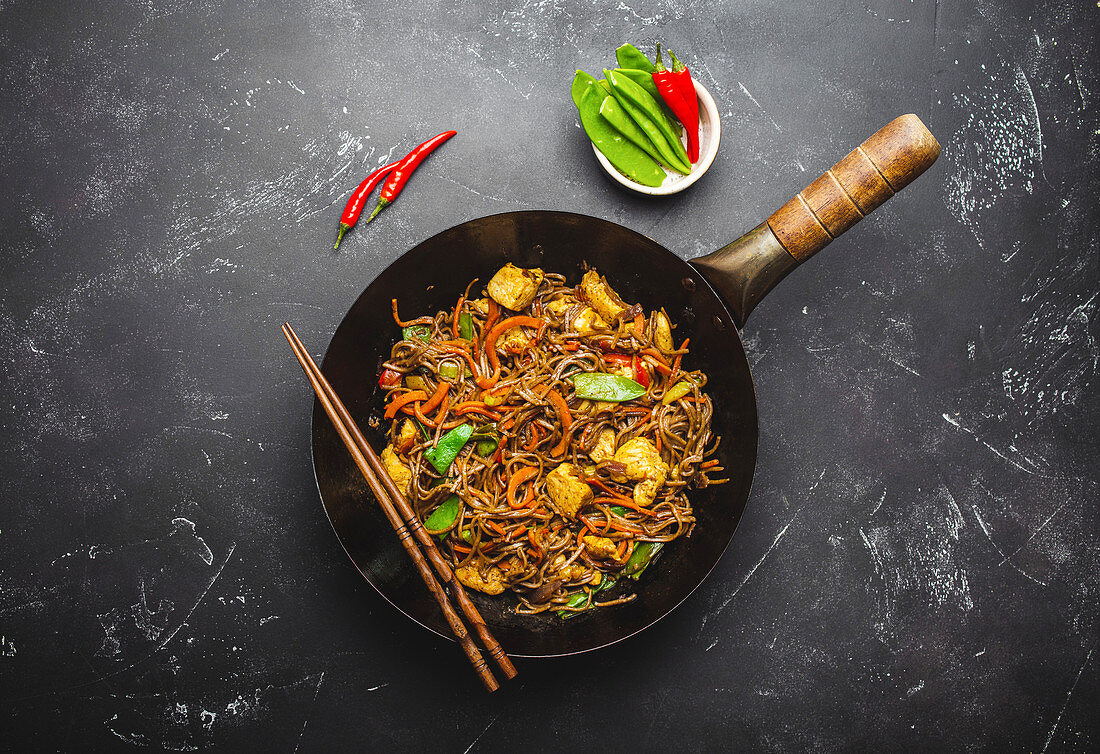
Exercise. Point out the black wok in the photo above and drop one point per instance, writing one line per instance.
(708, 298)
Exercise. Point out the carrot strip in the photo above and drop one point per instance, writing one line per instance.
(401, 400)
(454, 321)
(655, 354)
(709, 464)
(662, 368)
(495, 526)
(621, 551)
(437, 397)
(491, 343)
(517, 479)
(639, 325)
(599, 483)
(536, 437)
(397, 319)
(486, 412)
(676, 361)
(494, 313)
(566, 421)
(626, 503)
(657, 443)
(430, 424)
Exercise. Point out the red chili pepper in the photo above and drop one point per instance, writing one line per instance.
(405, 168)
(354, 206)
(691, 100)
(389, 378)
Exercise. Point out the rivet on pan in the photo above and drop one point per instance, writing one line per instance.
(718, 323)
(689, 285)
(537, 248)
(687, 314)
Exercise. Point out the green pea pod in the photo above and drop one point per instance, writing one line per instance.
(639, 560)
(624, 124)
(598, 386)
(466, 326)
(634, 98)
(627, 158)
(445, 452)
(421, 332)
(630, 56)
(645, 80)
(579, 598)
(443, 517)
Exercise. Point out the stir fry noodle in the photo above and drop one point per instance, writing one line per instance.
(548, 435)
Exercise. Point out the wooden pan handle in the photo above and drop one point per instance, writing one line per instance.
(869, 175)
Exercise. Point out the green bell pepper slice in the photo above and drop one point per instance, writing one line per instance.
(451, 371)
(443, 517)
(466, 326)
(420, 332)
(445, 452)
(599, 386)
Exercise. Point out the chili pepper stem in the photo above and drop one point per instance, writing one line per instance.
(344, 228)
(381, 206)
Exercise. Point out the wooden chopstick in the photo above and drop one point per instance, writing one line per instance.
(423, 537)
(399, 512)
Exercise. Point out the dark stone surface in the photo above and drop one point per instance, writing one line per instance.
(919, 563)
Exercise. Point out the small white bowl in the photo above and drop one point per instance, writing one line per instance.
(710, 134)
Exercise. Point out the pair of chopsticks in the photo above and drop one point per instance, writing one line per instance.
(406, 524)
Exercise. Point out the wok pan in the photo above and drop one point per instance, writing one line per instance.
(708, 298)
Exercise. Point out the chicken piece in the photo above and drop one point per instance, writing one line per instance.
(568, 490)
(491, 582)
(575, 572)
(587, 322)
(514, 340)
(642, 463)
(600, 547)
(406, 433)
(479, 305)
(604, 449)
(514, 287)
(558, 306)
(601, 297)
(662, 333)
(398, 471)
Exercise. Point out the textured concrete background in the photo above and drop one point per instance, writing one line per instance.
(920, 560)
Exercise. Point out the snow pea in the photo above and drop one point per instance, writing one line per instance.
(443, 517)
(633, 97)
(598, 386)
(577, 599)
(639, 560)
(645, 80)
(627, 157)
(630, 56)
(624, 124)
(445, 452)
